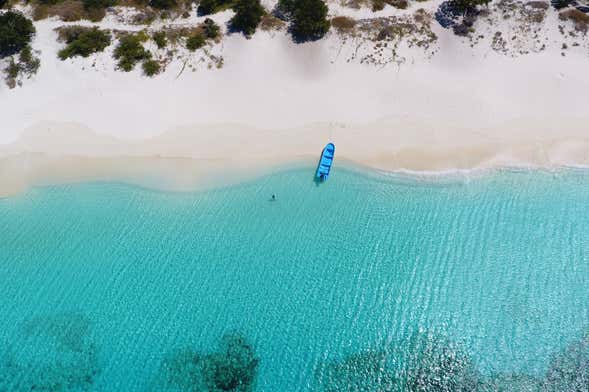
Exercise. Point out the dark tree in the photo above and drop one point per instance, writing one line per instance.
(248, 14)
(207, 7)
(163, 4)
(98, 4)
(210, 28)
(16, 32)
(284, 9)
(3, 3)
(465, 6)
(560, 4)
(309, 20)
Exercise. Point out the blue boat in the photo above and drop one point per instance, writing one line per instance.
(325, 162)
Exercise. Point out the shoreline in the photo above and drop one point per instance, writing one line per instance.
(201, 157)
(464, 109)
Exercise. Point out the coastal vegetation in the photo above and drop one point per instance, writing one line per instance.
(195, 41)
(82, 41)
(160, 39)
(130, 51)
(343, 24)
(580, 20)
(560, 4)
(163, 4)
(16, 32)
(71, 10)
(385, 39)
(96, 9)
(25, 66)
(208, 7)
(271, 22)
(465, 6)
(248, 15)
(378, 5)
(211, 29)
(232, 367)
(151, 67)
(308, 18)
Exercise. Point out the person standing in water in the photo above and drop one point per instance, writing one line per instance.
(273, 197)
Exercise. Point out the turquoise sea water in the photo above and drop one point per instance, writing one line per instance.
(102, 283)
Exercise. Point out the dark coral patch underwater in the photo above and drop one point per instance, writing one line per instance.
(233, 367)
(431, 363)
(53, 353)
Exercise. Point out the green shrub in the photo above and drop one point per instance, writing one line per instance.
(343, 24)
(129, 52)
(468, 5)
(67, 11)
(309, 21)
(163, 4)
(16, 32)
(285, 9)
(378, 5)
(12, 70)
(560, 4)
(29, 64)
(142, 36)
(49, 2)
(26, 66)
(248, 14)
(208, 7)
(98, 4)
(401, 4)
(211, 29)
(160, 39)
(151, 67)
(271, 22)
(195, 41)
(68, 34)
(83, 41)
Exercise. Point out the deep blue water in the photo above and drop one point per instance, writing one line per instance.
(102, 282)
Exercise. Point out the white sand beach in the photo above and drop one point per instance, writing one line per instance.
(465, 105)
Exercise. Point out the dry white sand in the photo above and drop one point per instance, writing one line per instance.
(274, 102)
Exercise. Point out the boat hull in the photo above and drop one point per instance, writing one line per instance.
(325, 163)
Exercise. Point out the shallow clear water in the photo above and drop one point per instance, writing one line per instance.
(114, 278)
